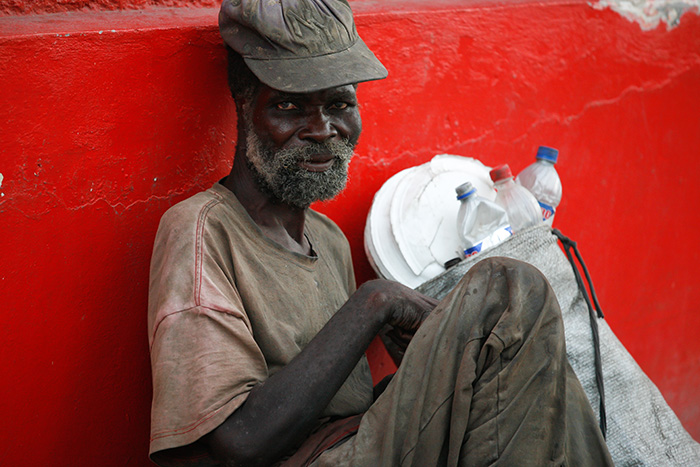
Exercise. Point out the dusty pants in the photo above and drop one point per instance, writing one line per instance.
(484, 381)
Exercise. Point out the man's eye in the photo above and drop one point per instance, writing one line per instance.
(340, 105)
(286, 106)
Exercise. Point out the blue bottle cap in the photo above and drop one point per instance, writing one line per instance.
(464, 190)
(548, 154)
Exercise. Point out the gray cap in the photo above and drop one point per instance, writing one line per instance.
(299, 45)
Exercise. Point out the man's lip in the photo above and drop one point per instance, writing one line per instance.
(318, 163)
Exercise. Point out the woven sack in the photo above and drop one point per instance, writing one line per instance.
(642, 430)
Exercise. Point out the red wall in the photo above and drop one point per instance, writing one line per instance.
(23, 7)
(109, 118)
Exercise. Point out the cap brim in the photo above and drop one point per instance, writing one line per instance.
(355, 64)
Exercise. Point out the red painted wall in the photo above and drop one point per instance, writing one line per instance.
(109, 118)
(24, 7)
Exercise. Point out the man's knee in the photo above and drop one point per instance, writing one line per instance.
(513, 270)
(509, 264)
(516, 285)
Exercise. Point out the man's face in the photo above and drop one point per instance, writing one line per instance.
(299, 145)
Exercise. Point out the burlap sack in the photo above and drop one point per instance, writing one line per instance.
(642, 430)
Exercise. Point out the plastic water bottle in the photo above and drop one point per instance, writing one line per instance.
(542, 179)
(521, 206)
(481, 223)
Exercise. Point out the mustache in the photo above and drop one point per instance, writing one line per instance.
(289, 158)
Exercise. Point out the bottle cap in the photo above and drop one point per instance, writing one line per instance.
(548, 154)
(464, 190)
(500, 173)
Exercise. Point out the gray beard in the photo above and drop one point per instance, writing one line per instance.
(278, 174)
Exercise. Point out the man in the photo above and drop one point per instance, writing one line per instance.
(258, 335)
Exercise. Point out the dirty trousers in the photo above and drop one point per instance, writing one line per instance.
(485, 381)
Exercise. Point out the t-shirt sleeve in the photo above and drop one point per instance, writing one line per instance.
(204, 360)
(204, 363)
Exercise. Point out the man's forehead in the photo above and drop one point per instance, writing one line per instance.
(346, 91)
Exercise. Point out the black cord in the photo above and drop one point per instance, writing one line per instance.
(568, 245)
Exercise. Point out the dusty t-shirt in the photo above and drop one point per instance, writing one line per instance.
(229, 307)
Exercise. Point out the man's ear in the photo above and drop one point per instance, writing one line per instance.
(244, 105)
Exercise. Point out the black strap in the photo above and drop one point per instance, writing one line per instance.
(568, 245)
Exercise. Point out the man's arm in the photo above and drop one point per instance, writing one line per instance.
(280, 412)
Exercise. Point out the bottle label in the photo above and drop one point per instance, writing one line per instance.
(473, 250)
(492, 240)
(547, 211)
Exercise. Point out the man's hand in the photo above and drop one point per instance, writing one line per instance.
(403, 308)
(395, 342)
(404, 311)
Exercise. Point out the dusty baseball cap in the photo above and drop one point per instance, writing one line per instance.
(299, 45)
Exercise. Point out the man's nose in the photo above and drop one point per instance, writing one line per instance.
(318, 127)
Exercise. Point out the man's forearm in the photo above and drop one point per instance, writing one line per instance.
(279, 413)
